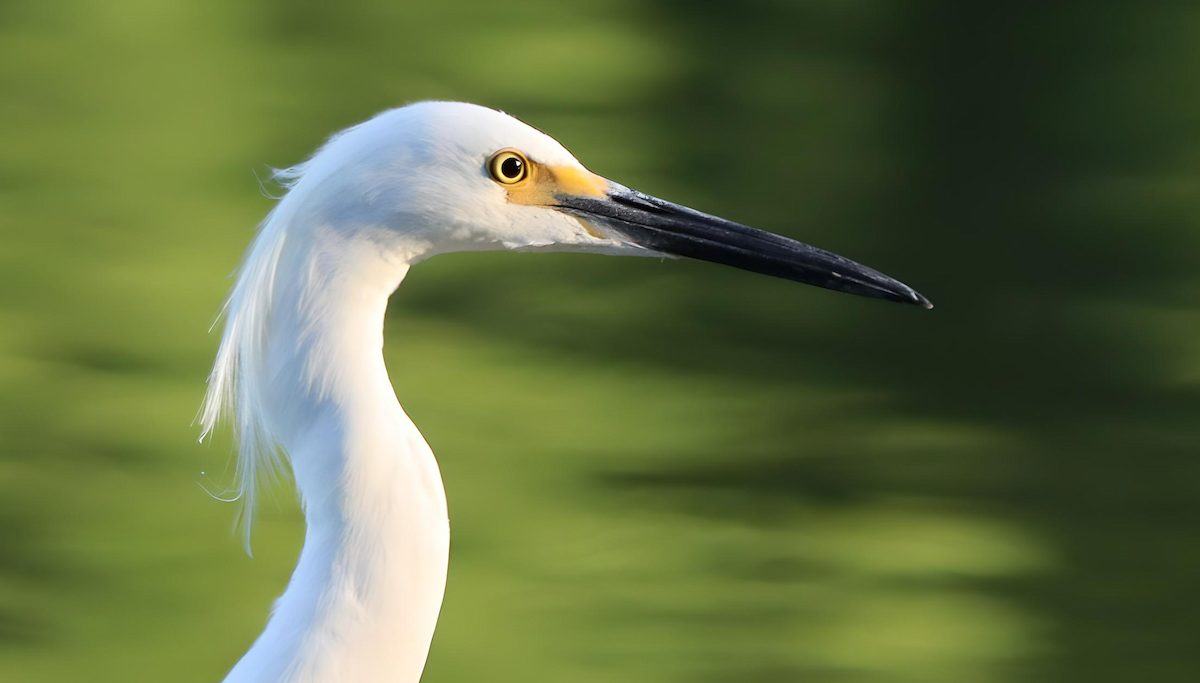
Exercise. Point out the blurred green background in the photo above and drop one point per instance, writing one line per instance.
(656, 471)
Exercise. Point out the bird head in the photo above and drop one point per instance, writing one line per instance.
(450, 176)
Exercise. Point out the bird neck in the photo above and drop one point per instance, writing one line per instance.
(365, 595)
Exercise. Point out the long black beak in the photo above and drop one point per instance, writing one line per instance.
(669, 228)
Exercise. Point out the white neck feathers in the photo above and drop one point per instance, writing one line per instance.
(300, 373)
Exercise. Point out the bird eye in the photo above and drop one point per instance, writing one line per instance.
(508, 166)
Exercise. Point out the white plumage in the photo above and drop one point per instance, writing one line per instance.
(300, 374)
(300, 371)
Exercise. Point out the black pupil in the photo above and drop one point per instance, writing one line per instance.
(511, 167)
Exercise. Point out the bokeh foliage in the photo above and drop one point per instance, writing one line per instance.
(656, 471)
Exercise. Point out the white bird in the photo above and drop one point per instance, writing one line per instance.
(300, 369)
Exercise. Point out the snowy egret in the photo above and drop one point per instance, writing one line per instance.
(300, 369)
